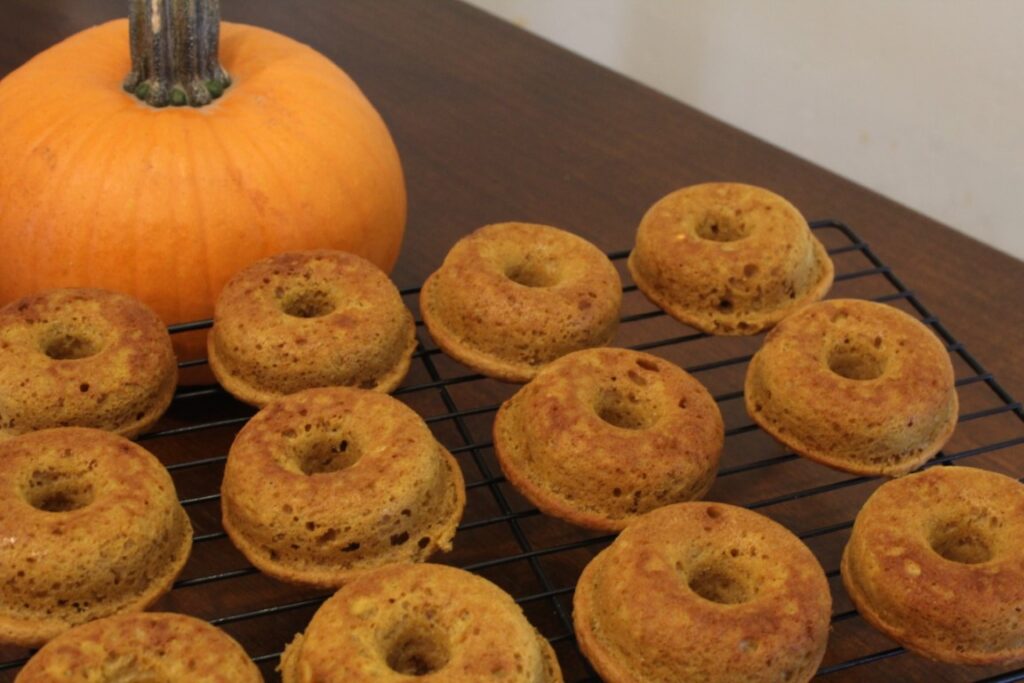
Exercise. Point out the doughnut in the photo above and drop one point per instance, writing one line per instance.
(728, 259)
(83, 358)
(90, 526)
(142, 647)
(601, 436)
(703, 592)
(935, 562)
(405, 621)
(309, 319)
(328, 482)
(512, 297)
(855, 385)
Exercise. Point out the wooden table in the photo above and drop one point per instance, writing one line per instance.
(495, 124)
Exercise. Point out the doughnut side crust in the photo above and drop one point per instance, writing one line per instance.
(92, 527)
(326, 483)
(511, 297)
(602, 436)
(935, 562)
(161, 645)
(424, 619)
(83, 358)
(703, 591)
(309, 319)
(728, 258)
(894, 411)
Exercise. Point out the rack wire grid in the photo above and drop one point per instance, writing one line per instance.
(538, 558)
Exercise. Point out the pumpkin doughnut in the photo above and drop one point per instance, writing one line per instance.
(601, 436)
(703, 592)
(325, 483)
(83, 358)
(855, 385)
(935, 562)
(146, 646)
(728, 259)
(402, 621)
(90, 526)
(512, 297)
(309, 319)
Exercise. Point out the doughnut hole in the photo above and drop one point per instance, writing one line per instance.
(720, 227)
(63, 344)
(325, 452)
(625, 409)
(532, 273)
(857, 359)
(58, 490)
(418, 648)
(307, 303)
(724, 580)
(963, 540)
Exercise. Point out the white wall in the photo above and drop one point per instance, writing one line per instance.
(920, 100)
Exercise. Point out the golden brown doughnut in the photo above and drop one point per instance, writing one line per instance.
(935, 561)
(601, 436)
(90, 526)
(512, 297)
(309, 319)
(429, 620)
(703, 592)
(83, 358)
(147, 647)
(325, 483)
(855, 385)
(728, 258)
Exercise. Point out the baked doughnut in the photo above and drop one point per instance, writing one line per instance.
(415, 620)
(855, 385)
(309, 319)
(935, 562)
(83, 358)
(90, 526)
(601, 436)
(703, 592)
(512, 297)
(325, 483)
(728, 259)
(142, 647)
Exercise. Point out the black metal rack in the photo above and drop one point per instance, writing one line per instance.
(536, 558)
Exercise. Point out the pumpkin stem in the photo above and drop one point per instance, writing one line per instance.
(174, 52)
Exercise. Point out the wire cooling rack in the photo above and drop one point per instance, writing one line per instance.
(537, 558)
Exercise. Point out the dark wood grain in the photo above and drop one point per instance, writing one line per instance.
(495, 124)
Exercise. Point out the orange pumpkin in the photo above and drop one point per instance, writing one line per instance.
(99, 189)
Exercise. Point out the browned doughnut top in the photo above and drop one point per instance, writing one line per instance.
(84, 358)
(90, 526)
(511, 297)
(309, 319)
(325, 483)
(855, 385)
(403, 622)
(935, 561)
(148, 647)
(703, 592)
(601, 436)
(728, 258)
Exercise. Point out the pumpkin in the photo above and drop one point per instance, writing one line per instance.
(105, 182)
